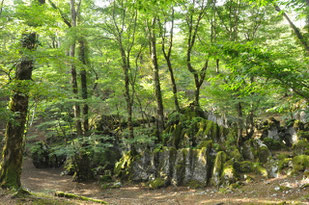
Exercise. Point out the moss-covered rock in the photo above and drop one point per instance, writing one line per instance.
(123, 166)
(272, 167)
(205, 143)
(248, 150)
(258, 169)
(250, 167)
(228, 175)
(284, 163)
(301, 147)
(234, 153)
(244, 166)
(165, 160)
(200, 166)
(218, 168)
(273, 144)
(179, 167)
(195, 184)
(263, 153)
(300, 163)
(157, 183)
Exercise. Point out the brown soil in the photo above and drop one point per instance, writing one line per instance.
(261, 192)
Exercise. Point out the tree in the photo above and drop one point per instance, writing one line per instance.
(196, 12)
(167, 50)
(11, 164)
(157, 85)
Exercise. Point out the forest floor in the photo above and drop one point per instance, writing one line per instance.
(44, 182)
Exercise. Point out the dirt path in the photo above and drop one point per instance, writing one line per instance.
(263, 192)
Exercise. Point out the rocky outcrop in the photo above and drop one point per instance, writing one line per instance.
(197, 152)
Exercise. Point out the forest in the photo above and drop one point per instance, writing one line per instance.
(154, 101)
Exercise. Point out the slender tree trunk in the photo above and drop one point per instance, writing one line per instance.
(174, 86)
(297, 32)
(126, 68)
(167, 56)
(197, 90)
(217, 66)
(157, 85)
(76, 107)
(83, 49)
(239, 121)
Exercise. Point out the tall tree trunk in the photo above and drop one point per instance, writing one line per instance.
(157, 85)
(239, 121)
(126, 68)
(83, 50)
(193, 26)
(76, 107)
(197, 90)
(174, 86)
(167, 56)
(12, 155)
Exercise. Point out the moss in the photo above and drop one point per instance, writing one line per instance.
(282, 156)
(178, 135)
(69, 166)
(212, 130)
(218, 168)
(244, 166)
(258, 169)
(301, 147)
(157, 183)
(302, 134)
(10, 177)
(195, 184)
(205, 143)
(273, 144)
(123, 166)
(300, 163)
(228, 175)
(234, 153)
(263, 154)
(284, 163)
(74, 196)
(112, 185)
(298, 125)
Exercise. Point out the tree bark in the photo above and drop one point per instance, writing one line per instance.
(12, 156)
(83, 50)
(126, 67)
(167, 56)
(199, 76)
(157, 85)
(76, 107)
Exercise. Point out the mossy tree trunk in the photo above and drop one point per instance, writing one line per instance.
(83, 57)
(156, 77)
(12, 156)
